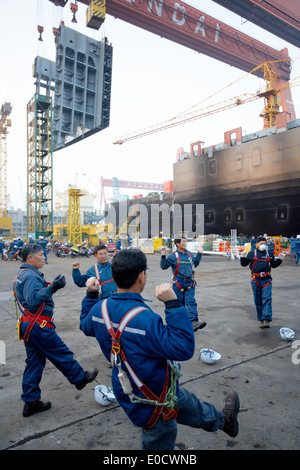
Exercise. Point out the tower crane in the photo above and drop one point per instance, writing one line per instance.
(5, 122)
(270, 92)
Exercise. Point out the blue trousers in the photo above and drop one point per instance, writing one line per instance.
(44, 343)
(191, 412)
(187, 298)
(263, 299)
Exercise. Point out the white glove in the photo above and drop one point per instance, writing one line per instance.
(243, 254)
(281, 256)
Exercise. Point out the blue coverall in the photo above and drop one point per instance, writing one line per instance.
(43, 242)
(297, 250)
(148, 343)
(43, 343)
(261, 284)
(105, 275)
(184, 278)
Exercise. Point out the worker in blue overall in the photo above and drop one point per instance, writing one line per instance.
(43, 242)
(101, 270)
(183, 263)
(297, 250)
(34, 298)
(261, 261)
(142, 349)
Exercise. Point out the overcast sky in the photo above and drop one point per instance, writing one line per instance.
(153, 80)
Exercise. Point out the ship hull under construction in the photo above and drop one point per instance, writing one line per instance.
(251, 185)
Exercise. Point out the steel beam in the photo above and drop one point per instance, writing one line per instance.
(279, 18)
(192, 28)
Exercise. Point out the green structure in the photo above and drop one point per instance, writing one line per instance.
(39, 166)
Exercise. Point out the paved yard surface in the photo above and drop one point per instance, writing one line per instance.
(258, 364)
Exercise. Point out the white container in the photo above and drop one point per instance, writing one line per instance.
(209, 356)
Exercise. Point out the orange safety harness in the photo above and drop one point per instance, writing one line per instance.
(98, 276)
(254, 275)
(32, 318)
(167, 413)
(192, 284)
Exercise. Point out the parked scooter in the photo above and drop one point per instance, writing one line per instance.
(62, 251)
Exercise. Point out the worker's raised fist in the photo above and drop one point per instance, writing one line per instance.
(165, 292)
(76, 265)
(92, 284)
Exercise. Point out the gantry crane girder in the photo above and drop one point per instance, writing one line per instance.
(279, 18)
(192, 28)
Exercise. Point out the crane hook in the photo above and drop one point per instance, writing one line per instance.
(74, 8)
(40, 30)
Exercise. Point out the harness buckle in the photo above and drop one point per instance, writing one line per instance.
(116, 347)
(43, 324)
(171, 413)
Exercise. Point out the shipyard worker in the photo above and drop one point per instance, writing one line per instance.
(260, 261)
(43, 242)
(292, 247)
(183, 263)
(101, 270)
(2, 247)
(297, 250)
(34, 298)
(142, 352)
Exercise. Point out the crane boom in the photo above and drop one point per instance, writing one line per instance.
(212, 109)
(270, 90)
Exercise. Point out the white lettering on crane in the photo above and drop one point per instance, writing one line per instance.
(217, 32)
(179, 16)
(201, 25)
(181, 21)
(158, 6)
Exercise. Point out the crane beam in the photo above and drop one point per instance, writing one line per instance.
(279, 18)
(108, 182)
(190, 27)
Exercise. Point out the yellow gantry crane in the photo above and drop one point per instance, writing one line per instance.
(5, 122)
(74, 222)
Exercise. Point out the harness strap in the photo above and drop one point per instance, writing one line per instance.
(98, 276)
(182, 289)
(116, 349)
(178, 262)
(261, 286)
(253, 275)
(30, 317)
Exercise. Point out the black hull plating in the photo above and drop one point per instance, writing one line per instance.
(253, 187)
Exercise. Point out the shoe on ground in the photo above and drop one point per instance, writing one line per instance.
(230, 412)
(88, 377)
(198, 325)
(264, 324)
(30, 408)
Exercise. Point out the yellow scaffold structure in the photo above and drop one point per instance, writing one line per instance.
(4, 124)
(74, 232)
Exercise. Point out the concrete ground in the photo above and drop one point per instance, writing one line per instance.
(258, 364)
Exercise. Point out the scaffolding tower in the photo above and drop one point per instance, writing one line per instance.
(39, 166)
(74, 222)
(4, 124)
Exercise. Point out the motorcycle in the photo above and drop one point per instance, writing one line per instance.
(17, 255)
(81, 250)
(62, 251)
